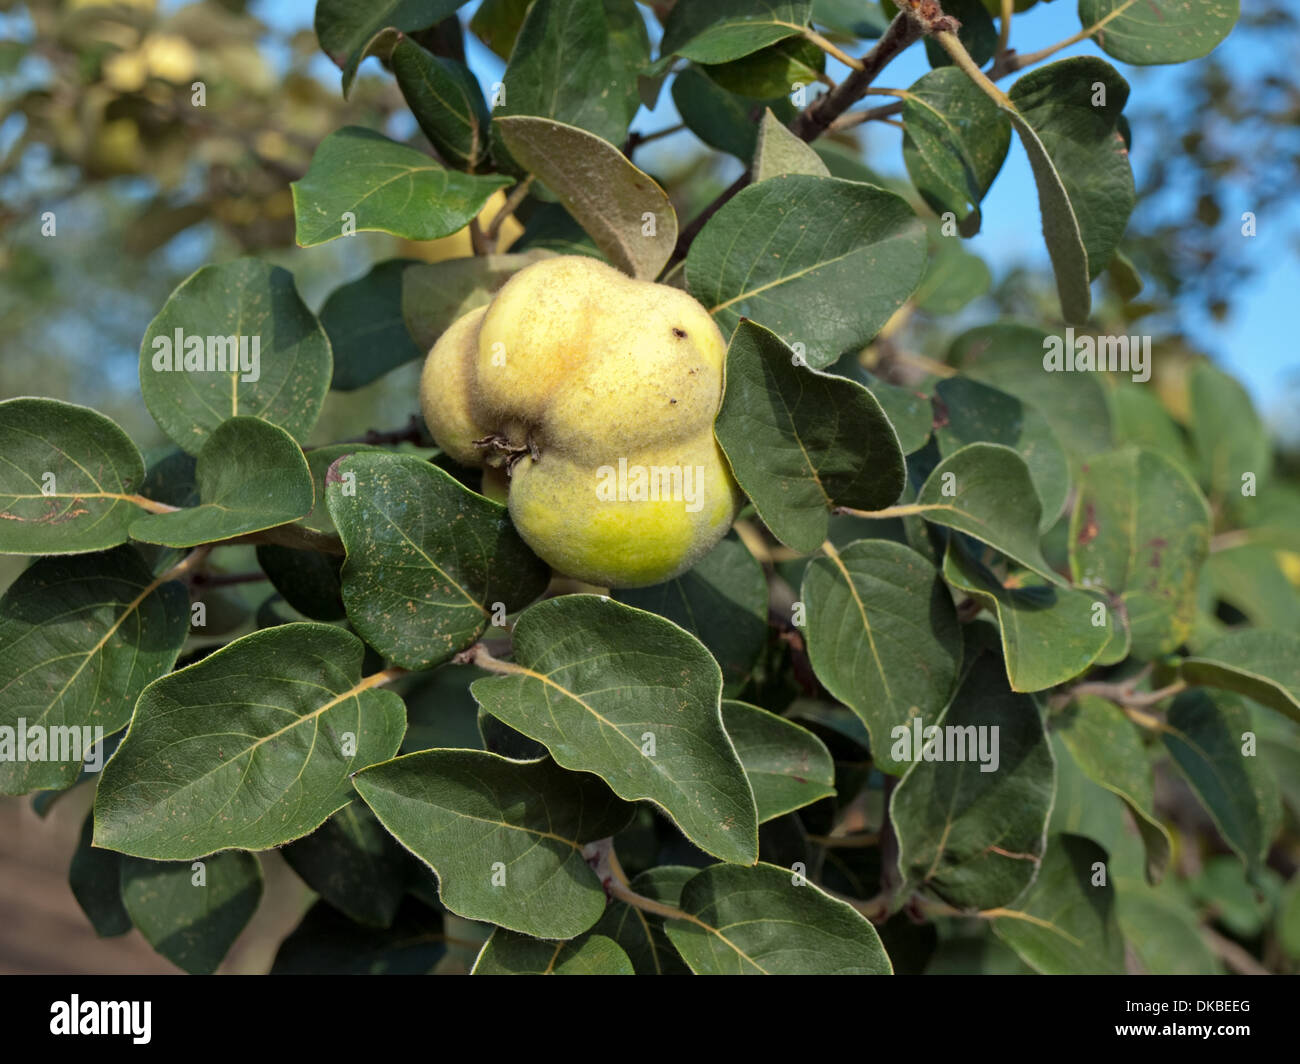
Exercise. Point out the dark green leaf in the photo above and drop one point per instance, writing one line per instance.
(851, 255)
(641, 934)
(507, 953)
(1145, 32)
(363, 319)
(79, 640)
(345, 27)
(329, 943)
(971, 812)
(882, 636)
(95, 877)
(251, 747)
(192, 913)
(722, 601)
(576, 61)
(772, 72)
(1050, 633)
(446, 100)
(723, 120)
(969, 412)
(251, 476)
(627, 695)
(359, 180)
(1065, 925)
(67, 480)
(354, 864)
(246, 312)
(1108, 747)
(722, 30)
(788, 767)
(430, 563)
(1206, 736)
(1085, 184)
(802, 442)
(505, 837)
(765, 920)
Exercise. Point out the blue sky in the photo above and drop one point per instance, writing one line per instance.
(1253, 342)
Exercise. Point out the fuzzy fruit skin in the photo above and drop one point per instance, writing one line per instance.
(573, 367)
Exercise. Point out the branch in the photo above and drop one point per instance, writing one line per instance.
(1233, 955)
(635, 140)
(830, 49)
(410, 433)
(817, 117)
(300, 537)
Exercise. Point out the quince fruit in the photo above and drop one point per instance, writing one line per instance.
(595, 394)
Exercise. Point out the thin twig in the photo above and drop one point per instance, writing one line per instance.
(830, 49)
(508, 208)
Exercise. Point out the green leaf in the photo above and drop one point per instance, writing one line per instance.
(79, 640)
(843, 245)
(576, 61)
(1085, 183)
(908, 410)
(446, 100)
(250, 747)
(192, 913)
(429, 561)
(67, 480)
(219, 311)
(788, 766)
(722, 30)
(772, 72)
(1009, 356)
(95, 877)
(969, 412)
(328, 943)
(954, 143)
(1229, 439)
(722, 601)
(308, 580)
(359, 180)
(882, 636)
(641, 934)
(971, 820)
(506, 953)
(1250, 579)
(625, 212)
(765, 920)
(1049, 633)
(1141, 531)
(1262, 665)
(986, 491)
(1162, 931)
(435, 294)
(802, 442)
(852, 18)
(364, 322)
(725, 121)
(1206, 735)
(345, 27)
(954, 279)
(625, 694)
(1147, 32)
(251, 476)
(1108, 747)
(496, 23)
(1064, 925)
(778, 151)
(505, 837)
(354, 864)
